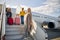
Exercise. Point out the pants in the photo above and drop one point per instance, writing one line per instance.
(22, 19)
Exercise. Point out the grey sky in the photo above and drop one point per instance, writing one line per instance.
(31, 3)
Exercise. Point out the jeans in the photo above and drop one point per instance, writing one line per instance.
(22, 19)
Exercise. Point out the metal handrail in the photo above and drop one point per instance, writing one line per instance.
(2, 14)
(1, 24)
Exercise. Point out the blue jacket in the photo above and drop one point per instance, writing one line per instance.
(8, 14)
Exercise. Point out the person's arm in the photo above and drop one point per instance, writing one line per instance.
(20, 14)
(24, 12)
(10, 14)
(27, 19)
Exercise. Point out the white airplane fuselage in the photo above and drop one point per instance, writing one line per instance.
(46, 21)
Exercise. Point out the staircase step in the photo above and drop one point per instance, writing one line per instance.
(13, 37)
(14, 32)
(21, 33)
(11, 29)
(15, 28)
(14, 25)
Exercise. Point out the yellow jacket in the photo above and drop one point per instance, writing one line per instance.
(22, 13)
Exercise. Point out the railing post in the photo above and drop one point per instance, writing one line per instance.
(3, 23)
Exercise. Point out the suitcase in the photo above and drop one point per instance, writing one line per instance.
(17, 20)
(10, 21)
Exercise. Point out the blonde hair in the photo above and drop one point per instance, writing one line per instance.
(29, 10)
(8, 9)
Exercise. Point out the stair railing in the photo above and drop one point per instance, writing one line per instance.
(3, 22)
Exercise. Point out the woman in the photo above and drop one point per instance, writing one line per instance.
(22, 14)
(29, 21)
(8, 13)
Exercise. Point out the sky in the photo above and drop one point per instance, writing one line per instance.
(48, 7)
(31, 3)
(51, 7)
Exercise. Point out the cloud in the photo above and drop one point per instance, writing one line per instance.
(49, 7)
(21, 6)
(25, 7)
(2, 1)
(9, 6)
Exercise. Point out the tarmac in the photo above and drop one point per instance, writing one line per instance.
(53, 34)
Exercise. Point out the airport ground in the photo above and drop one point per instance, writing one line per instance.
(53, 34)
